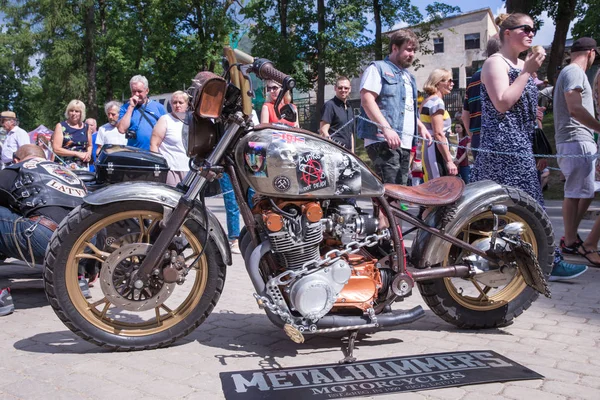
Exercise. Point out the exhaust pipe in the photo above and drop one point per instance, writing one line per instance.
(384, 320)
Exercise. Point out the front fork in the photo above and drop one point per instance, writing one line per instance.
(155, 257)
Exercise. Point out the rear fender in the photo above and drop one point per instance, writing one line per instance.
(478, 197)
(167, 196)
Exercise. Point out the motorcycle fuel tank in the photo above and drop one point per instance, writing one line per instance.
(281, 162)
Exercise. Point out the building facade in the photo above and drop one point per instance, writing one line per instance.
(458, 45)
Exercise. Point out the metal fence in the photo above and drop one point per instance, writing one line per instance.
(309, 116)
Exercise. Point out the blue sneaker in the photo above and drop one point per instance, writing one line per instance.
(6, 302)
(563, 271)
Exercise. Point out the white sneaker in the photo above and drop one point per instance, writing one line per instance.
(235, 247)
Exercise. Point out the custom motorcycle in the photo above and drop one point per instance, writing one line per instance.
(322, 242)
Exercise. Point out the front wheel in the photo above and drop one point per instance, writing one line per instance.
(119, 316)
(471, 304)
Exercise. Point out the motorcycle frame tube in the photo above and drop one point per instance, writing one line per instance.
(155, 256)
(430, 248)
(398, 261)
(434, 231)
(451, 271)
(167, 196)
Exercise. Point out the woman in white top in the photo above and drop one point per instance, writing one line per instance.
(166, 138)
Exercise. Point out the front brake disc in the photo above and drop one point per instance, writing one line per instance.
(117, 276)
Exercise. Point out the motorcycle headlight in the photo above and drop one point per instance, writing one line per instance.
(209, 94)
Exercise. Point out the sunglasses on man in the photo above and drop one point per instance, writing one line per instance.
(526, 28)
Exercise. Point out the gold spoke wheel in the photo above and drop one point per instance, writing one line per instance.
(477, 296)
(472, 304)
(104, 315)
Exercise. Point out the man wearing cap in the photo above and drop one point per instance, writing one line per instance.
(15, 136)
(575, 125)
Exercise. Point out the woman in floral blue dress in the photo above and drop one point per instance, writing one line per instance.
(508, 111)
(508, 117)
(72, 138)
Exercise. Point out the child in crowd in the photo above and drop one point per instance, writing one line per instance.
(462, 152)
(416, 166)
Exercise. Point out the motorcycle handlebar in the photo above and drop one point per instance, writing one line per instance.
(264, 69)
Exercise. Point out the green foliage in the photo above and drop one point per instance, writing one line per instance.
(53, 51)
(16, 51)
(45, 60)
(588, 13)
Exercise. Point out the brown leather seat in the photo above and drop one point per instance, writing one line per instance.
(436, 192)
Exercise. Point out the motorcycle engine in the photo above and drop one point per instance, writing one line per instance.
(298, 233)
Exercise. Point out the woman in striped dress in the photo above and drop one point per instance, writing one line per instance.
(437, 159)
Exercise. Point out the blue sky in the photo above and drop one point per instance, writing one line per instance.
(543, 37)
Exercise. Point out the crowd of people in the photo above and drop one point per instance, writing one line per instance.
(499, 119)
(403, 137)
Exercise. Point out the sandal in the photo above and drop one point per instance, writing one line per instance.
(572, 249)
(585, 255)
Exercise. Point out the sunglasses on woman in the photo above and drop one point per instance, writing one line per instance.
(526, 28)
(272, 88)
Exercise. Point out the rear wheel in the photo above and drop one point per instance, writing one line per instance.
(468, 303)
(119, 316)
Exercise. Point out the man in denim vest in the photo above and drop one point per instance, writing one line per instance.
(388, 97)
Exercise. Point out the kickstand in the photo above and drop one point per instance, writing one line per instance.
(350, 349)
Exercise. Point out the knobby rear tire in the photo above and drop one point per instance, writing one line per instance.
(448, 304)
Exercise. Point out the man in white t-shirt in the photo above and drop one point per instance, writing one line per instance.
(15, 136)
(388, 94)
(108, 133)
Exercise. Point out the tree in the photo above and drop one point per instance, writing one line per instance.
(588, 13)
(312, 57)
(17, 86)
(563, 14)
(89, 49)
(521, 6)
(388, 13)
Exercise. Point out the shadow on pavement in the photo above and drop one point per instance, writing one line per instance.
(61, 342)
(254, 336)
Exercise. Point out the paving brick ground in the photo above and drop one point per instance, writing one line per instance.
(42, 359)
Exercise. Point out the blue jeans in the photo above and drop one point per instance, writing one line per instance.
(232, 210)
(465, 174)
(39, 237)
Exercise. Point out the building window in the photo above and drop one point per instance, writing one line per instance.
(472, 41)
(438, 45)
(455, 76)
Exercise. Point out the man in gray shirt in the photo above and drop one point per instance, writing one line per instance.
(575, 124)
